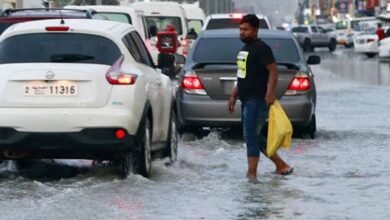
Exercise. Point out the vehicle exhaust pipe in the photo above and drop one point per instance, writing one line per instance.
(8, 153)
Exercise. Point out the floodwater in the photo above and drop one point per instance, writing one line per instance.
(342, 174)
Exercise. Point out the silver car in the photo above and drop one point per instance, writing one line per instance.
(207, 79)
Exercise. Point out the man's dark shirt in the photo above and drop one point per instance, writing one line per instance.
(253, 77)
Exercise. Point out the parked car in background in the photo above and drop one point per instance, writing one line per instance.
(87, 89)
(124, 14)
(347, 28)
(384, 49)
(207, 79)
(311, 36)
(366, 44)
(367, 41)
(13, 16)
(226, 21)
(161, 15)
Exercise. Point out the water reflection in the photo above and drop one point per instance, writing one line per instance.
(355, 67)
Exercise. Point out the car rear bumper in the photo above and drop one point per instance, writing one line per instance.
(344, 40)
(195, 110)
(206, 112)
(371, 47)
(384, 52)
(97, 143)
(68, 119)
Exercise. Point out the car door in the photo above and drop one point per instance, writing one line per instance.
(323, 36)
(315, 39)
(138, 50)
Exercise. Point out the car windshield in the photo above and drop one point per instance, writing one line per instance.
(230, 23)
(299, 30)
(215, 50)
(160, 23)
(195, 24)
(58, 48)
(341, 25)
(119, 17)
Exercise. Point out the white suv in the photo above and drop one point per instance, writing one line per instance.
(225, 21)
(83, 89)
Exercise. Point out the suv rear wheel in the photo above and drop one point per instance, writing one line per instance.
(140, 159)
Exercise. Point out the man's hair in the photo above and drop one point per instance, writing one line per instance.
(251, 19)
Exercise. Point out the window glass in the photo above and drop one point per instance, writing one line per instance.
(59, 48)
(299, 30)
(119, 17)
(230, 23)
(130, 45)
(145, 56)
(215, 50)
(196, 25)
(160, 23)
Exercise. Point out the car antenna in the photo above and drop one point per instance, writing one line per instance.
(62, 18)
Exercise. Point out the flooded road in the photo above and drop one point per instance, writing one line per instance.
(342, 174)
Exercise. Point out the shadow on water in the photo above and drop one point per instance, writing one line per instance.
(41, 170)
(267, 199)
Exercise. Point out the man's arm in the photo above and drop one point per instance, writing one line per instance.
(272, 81)
(233, 99)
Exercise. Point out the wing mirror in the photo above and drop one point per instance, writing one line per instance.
(170, 64)
(313, 60)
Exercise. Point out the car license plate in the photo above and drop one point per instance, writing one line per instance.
(56, 88)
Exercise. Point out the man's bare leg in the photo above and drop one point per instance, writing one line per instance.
(252, 167)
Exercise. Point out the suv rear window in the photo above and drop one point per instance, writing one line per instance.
(4, 26)
(58, 48)
(299, 30)
(119, 17)
(215, 50)
(230, 23)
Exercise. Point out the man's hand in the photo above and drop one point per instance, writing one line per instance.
(270, 98)
(231, 104)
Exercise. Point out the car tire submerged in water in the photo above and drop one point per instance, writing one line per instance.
(173, 137)
(312, 127)
(370, 55)
(332, 45)
(139, 160)
(307, 46)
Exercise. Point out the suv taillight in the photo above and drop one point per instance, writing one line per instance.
(192, 84)
(299, 84)
(115, 76)
(57, 28)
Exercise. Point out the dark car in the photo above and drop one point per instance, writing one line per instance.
(207, 79)
(13, 16)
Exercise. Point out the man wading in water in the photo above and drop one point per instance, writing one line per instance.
(257, 76)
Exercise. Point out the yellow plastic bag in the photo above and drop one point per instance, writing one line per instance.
(279, 129)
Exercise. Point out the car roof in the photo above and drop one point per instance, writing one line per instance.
(106, 8)
(100, 27)
(159, 8)
(230, 15)
(42, 12)
(234, 33)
